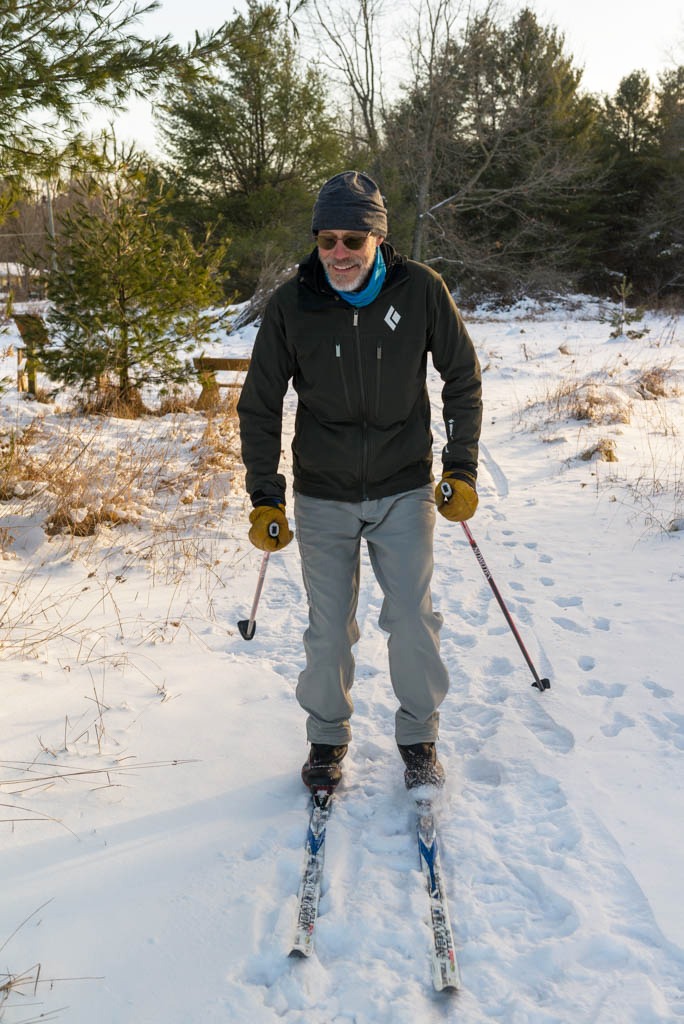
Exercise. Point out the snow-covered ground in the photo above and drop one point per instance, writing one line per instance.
(154, 816)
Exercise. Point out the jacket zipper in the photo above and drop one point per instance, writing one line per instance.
(364, 425)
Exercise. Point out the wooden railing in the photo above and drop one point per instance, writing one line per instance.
(207, 367)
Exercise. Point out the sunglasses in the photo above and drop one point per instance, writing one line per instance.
(353, 242)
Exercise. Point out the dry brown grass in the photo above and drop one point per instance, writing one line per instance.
(107, 401)
(590, 401)
(15, 447)
(75, 471)
(604, 450)
(219, 445)
(601, 404)
(607, 396)
(19, 990)
(657, 382)
(24, 985)
(86, 486)
(182, 401)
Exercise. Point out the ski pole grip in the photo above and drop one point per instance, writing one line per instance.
(446, 490)
(273, 530)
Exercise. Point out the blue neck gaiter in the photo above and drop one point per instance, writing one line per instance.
(372, 289)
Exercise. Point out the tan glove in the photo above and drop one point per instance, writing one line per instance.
(455, 499)
(270, 530)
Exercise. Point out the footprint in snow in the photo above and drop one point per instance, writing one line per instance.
(595, 688)
(658, 691)
(586, 663)
(669, 729)
(463, 640)
(546, 581)
(496, 515)
(486, 718)
(568, 602)
(601, 623)
(482, 771)
(473, 616)
(569, 625)
(499, 666)
(550, 734)
(476, 724)
(619, 723)
(554, 915)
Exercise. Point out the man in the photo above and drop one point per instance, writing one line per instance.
(353, 330)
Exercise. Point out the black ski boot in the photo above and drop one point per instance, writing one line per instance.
(422, 766)
(322, 769)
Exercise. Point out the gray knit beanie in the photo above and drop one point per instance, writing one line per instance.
(350, 201)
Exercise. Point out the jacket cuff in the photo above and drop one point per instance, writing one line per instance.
(468, 476)
(261, 498)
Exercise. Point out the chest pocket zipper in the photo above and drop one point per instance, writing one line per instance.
(340, 361)
(378, 360)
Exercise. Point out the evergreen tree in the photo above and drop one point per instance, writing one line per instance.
(525, 107)
(639, 213)
(659, 237)
(56, 55)
(629, 121)
(129, 296)
(248, 148)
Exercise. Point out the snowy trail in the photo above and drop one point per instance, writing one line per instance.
(550, 923)
(174, 890)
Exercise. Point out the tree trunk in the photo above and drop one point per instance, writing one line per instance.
(421, 216)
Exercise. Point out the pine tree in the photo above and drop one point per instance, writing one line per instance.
(660, 232)
(56, 55)
(129, 295)
(638, 214)
(248, 147)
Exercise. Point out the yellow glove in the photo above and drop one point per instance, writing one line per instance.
(269, 530)
(458, 505)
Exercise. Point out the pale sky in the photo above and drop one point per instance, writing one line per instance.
(607, 38)
(611, 38)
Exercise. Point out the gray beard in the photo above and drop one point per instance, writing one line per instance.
(356, 284)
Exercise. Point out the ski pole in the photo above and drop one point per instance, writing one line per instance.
(247, 627)
(541, 684)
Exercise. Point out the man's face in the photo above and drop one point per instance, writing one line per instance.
(347, 268)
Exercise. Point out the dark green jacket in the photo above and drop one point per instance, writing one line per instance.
(362, 428)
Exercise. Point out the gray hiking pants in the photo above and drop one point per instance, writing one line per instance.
(398, 531)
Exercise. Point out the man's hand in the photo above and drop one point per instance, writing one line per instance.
(455, 499)
(269, 530)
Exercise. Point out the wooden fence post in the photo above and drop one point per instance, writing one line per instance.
(33, 334)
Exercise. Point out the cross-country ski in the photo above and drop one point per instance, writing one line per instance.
(312, 875)
(445, 972)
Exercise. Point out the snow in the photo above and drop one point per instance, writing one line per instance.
(154, 819)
